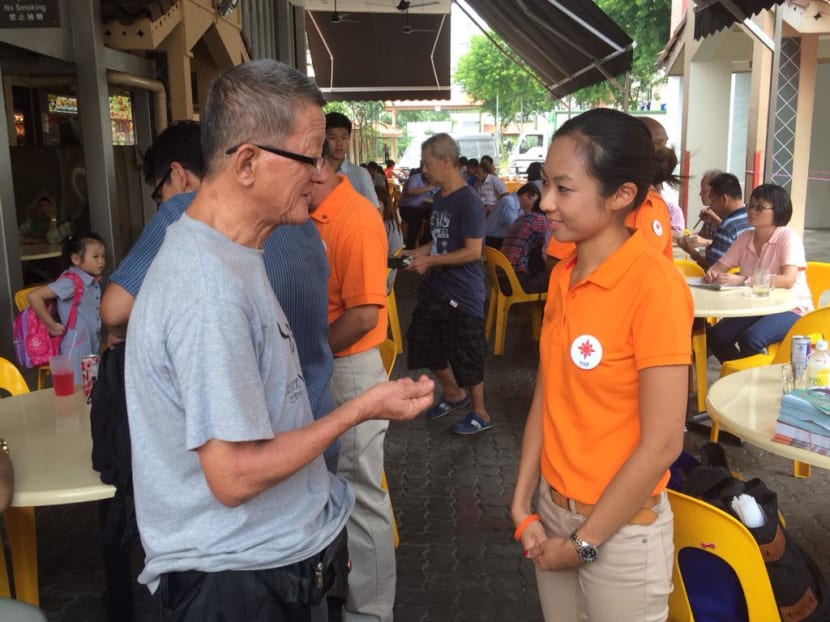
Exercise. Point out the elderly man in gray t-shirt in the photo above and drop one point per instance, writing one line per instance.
(235, 507)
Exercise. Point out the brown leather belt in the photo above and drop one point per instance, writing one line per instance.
(644, 516)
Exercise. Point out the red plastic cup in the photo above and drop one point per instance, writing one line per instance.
(63, 378)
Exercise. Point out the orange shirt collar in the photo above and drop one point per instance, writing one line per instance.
(333, 203)
(612, 269)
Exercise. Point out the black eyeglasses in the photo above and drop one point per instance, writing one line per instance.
(156, 196)
(758, 207)
(317, 163)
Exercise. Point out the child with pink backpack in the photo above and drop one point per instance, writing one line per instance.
(78, 295)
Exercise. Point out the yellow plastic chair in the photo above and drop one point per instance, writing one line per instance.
(11, 380)
(392, 310)
(21, 301)
(500, 302)
(814, 323)
(818, 279)
(698, 525)
(388, 355)
(690, 268)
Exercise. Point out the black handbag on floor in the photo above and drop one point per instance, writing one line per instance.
(800, 590)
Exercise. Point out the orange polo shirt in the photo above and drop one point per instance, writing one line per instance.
(633, 312)
(356, 247)
(560, 250)
(652, 219)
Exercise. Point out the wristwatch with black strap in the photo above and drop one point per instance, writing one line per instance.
(587, 552)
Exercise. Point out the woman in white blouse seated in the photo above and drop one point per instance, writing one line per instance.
(770, 246)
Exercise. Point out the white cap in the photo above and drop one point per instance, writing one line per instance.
(821, 344)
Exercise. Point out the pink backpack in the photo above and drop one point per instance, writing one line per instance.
(32, 341)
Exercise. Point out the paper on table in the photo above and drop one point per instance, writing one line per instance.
(697, 281)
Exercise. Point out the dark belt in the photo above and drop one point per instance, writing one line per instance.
(644, 516)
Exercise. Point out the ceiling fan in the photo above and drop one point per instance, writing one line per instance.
(407, 28)
(405, 5)
(338, 18)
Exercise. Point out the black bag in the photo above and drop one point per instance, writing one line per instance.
(800, 589)
(111, 453)
(112, 458)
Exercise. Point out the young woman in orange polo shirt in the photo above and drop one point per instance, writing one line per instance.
(606, 419)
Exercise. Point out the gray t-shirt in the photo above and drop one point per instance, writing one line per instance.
(210, 355)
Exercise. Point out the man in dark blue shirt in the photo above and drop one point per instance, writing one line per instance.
(727, 202)
(447, 330)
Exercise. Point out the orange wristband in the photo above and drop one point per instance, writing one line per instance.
(520, 528)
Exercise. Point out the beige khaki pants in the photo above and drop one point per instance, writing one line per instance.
(631, 580)
(371, 592)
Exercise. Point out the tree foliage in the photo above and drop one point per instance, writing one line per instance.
(506, 89)
(647, 22)
(362, 115)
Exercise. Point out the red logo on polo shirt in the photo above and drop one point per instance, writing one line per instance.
(586, 351)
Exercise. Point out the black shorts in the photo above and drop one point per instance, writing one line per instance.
(441, 335)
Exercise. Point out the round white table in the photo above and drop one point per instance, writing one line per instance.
(747, 402)
(739, 302)
(51, 450)
(731, 302)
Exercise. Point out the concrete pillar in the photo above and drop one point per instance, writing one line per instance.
(759, 100)
(178, 75)
(11, 273)
(803, 129)
(93, 107)
(706, 100)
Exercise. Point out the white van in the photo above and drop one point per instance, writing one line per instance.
(477, 145)
(469, 145)
(531, 146)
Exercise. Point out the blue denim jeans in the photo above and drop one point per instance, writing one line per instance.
(739, 337)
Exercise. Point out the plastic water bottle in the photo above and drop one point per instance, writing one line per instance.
(818, 366)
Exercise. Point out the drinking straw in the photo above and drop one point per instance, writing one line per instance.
(75, 337)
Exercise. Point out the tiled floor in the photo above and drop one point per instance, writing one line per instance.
(456, 560)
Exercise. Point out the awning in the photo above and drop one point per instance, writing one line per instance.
(670, 52)
(714, 15)
(568, 44)
(368, 56)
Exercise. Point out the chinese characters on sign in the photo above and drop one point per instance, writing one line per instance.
(27, 14)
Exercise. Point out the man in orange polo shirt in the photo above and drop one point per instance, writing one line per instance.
(356, 247)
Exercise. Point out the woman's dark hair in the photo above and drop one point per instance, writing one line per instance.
(666, 163)
(385, 202)
(778, 198)
(617, 149)
(75, 244)
(531, 189)
(534, 171)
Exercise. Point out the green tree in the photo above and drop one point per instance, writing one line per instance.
(505, 87)
(362, 114)
(647, 22)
